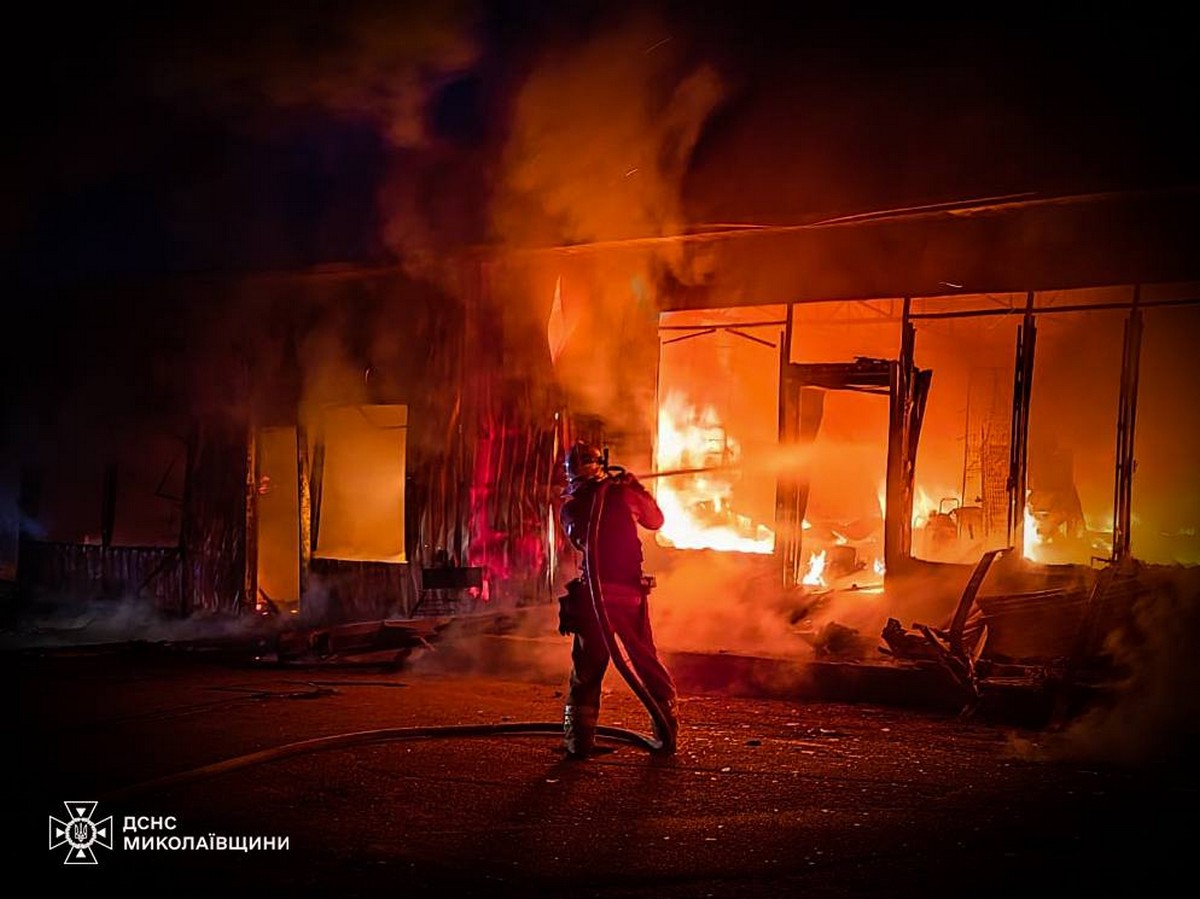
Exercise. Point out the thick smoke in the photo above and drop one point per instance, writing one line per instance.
(714, 601)
(589, 143)
(599, 141)
(374, 62)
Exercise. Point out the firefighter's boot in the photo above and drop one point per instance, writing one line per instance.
(667, 732)
(579, 730)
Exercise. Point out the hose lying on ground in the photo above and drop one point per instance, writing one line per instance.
(366, 738)
(390, 734)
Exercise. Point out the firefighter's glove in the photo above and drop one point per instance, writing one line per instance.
(629, 479)
(564, 615)
(570, 607)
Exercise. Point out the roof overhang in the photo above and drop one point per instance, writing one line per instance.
(1003, 246)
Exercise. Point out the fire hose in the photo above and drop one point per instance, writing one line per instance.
(515, 728)
(366, 738)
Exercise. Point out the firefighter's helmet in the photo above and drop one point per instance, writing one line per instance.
(584, 461)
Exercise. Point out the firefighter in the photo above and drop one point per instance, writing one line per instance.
(624, 588)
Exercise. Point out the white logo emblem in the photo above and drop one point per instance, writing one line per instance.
(80, 832)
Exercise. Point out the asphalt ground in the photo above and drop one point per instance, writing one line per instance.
(209, 764)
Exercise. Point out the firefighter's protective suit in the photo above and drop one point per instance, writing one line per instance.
(627, 505)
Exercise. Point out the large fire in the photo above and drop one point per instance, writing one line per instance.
(700, 506)
(702, 464)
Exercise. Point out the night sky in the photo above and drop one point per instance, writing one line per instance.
(209, 137)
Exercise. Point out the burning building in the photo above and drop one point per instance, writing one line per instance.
(852, 454)
(834, 437)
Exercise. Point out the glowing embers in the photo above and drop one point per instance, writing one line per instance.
(701, 506)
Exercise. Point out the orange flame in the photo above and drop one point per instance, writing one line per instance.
(1031, 538)
(700, 509)
(815, 576)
